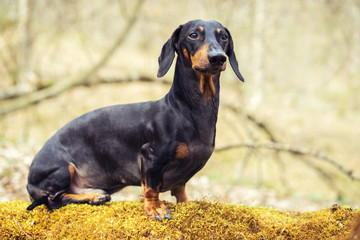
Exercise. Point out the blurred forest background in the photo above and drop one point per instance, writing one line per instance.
(289, 137)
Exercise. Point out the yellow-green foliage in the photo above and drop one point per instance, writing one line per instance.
(193, 220)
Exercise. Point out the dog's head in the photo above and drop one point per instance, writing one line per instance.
(202, 44)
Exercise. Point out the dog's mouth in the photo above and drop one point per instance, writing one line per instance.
(209, 69)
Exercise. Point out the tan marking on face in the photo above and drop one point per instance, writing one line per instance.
(185, 52)
(200, 58)
(182, 151)
(218, 30)
(207, 87)
(200, 61)
(201, 29)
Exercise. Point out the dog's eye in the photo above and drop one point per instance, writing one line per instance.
(223, 37)
(193, 35)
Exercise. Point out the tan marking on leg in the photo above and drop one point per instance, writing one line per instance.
(180, 194)
(90, 197)
(182, 151)
(153, 207)
(143, 187)
(73, 194)
(76, 183)
(72, 171)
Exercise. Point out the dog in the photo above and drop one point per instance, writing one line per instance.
(158, 145)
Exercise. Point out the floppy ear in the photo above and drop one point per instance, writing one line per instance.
(168, 53)
(232, 58)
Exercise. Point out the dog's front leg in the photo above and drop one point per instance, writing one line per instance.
(151, 169)
(153, 207)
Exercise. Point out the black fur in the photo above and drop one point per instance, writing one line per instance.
(123, 145)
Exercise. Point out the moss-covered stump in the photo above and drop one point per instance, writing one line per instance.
(193, 220)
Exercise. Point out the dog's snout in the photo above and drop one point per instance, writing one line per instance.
(217, 59)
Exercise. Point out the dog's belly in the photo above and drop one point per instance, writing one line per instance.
(110, 175)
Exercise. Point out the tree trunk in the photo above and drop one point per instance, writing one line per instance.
(25, 37)
(258, 55)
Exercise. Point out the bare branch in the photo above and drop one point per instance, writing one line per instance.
(293, 150)
(256, 121)
(129, 79)
(19, 91)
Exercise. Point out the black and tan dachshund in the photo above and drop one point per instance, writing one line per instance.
(159, 145)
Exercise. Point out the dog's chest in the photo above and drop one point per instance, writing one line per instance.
(190, 158)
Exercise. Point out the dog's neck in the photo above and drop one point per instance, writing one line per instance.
(197, 95)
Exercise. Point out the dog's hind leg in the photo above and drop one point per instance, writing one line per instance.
(180, 194)
(74, 194)
(47, 180)
(53, 187)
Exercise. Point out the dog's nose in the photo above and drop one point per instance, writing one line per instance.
(217, 59)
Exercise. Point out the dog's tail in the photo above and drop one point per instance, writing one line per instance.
(40, 201)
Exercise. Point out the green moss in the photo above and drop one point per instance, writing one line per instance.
(193, 220)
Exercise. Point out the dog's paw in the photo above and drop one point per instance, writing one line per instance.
(98, 199)
(157, 211)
